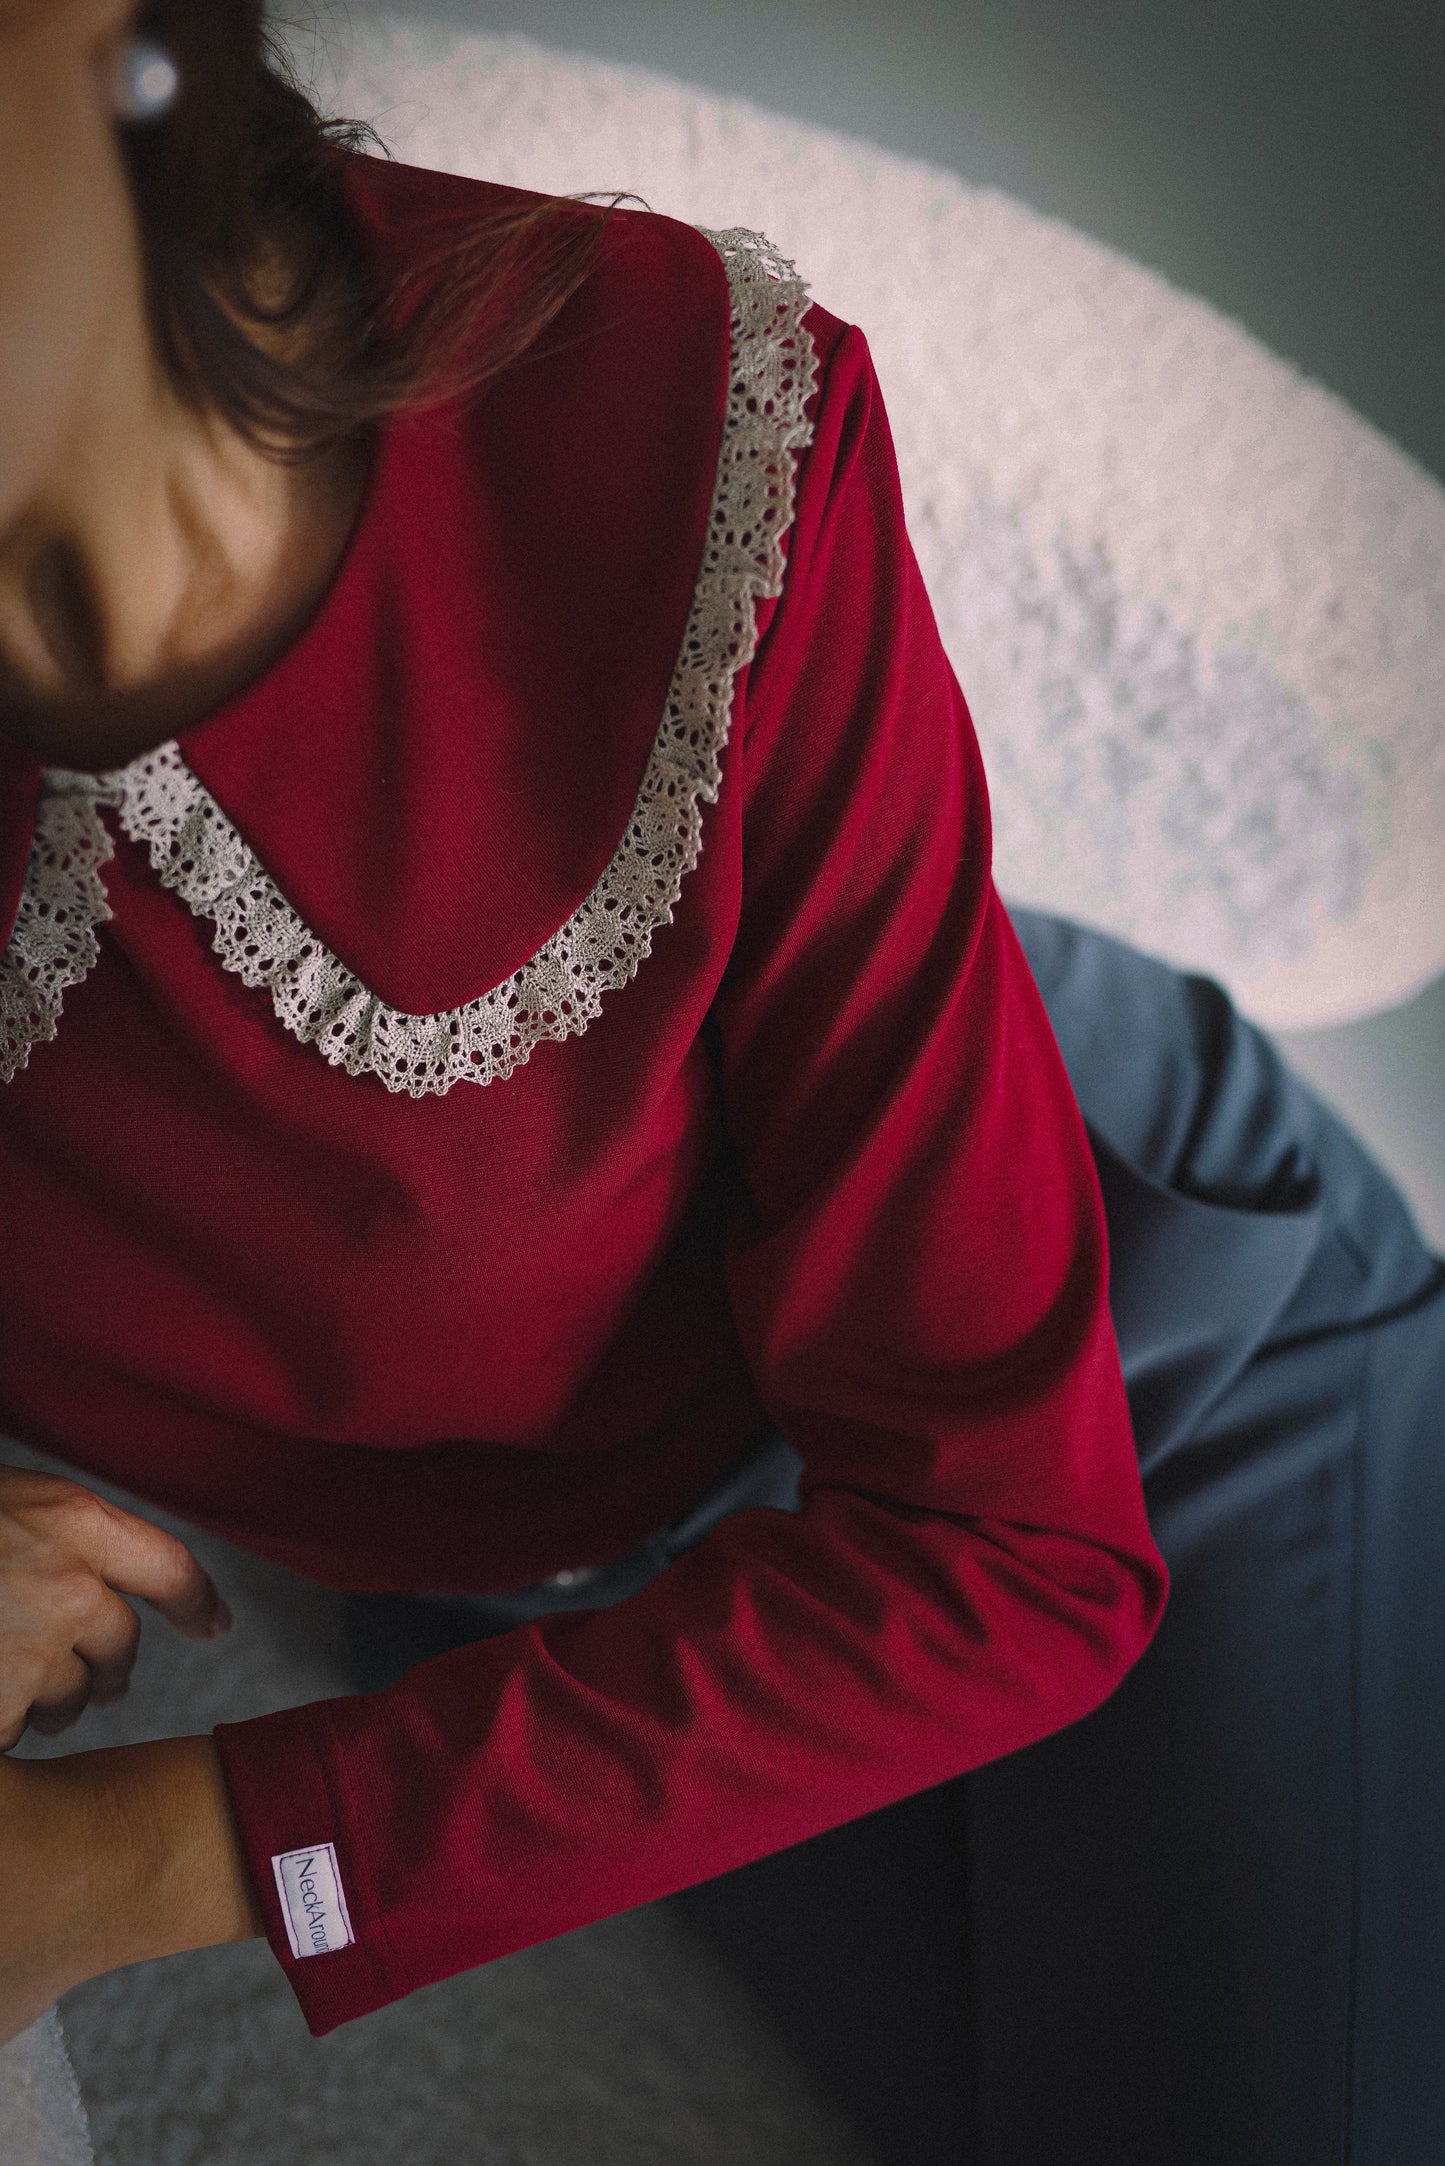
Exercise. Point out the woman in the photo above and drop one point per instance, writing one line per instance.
(453, 639)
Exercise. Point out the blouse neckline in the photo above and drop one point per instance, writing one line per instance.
(167, 802)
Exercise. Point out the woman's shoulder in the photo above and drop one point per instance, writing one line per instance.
(680, 280)
(404, 209)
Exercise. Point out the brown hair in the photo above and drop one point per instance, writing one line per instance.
(262, 302)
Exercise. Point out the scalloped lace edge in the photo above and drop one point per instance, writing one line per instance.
(197, 852)
(53, 945)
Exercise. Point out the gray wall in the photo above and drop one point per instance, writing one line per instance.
(1284, 158)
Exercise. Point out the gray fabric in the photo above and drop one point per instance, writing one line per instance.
(1207, 1924)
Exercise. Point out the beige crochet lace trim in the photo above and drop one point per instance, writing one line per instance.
(53, 944)
(195, 849)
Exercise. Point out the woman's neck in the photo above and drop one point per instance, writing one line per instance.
(217, 618)
(162, 566)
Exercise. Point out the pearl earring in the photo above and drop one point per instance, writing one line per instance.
(144, 82)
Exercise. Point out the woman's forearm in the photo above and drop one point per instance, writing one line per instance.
(109, 1858)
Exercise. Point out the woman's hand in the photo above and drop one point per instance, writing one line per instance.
(106, 1857)
(109, 1858)
(66, 1637)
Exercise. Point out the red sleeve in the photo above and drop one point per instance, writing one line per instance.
(917, 1265)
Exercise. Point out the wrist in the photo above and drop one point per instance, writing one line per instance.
(109, 1858)
(156, 1822)
(189, 1885)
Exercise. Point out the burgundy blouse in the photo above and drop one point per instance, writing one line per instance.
(553, 1024)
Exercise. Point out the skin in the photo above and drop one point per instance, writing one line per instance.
(151, 563)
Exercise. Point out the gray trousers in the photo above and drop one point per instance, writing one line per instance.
(1206, 1925)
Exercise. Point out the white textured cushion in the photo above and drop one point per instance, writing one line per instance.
(1197, 604)
(42, 2120)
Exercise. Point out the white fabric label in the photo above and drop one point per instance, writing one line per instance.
(312, 1900)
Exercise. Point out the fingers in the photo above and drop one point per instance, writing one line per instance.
(67, 1557)
(108, 1650)
(135, 1557)
(48, 1700)
(63, 1699)
(47, 1689)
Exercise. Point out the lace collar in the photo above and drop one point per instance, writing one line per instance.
(196, 851)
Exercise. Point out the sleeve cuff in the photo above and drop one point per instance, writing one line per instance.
(303, 1847)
